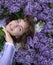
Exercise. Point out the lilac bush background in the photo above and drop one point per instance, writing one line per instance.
(40, 48)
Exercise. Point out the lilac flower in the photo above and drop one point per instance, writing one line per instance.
(32, 1)
(43, 48)
(7, 3)
(35, 39)
(51, 53)
(28, 59)
(46, 11)
(42, 16)
(32, 9)
(1, 11)
(51, 11)
(30, 42)
(28, 9)
(37, 6)
(51, 62)
(41, 53)
(14, 5)
(40, 48)
(45, 1)
(1, 2)
(14, 8)
(48, 28)
(50, 1)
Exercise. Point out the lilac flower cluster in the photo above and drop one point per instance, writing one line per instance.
(39, 51)
(40, 48)
(12, 5)
(1, 3)
(29, 6)
(32, 8)
(48, 27)
(1, 11)
(45, 1)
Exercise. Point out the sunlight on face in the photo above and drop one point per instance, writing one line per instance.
(17, 27)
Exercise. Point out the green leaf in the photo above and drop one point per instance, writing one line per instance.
(5, 13)
(48, 34)
(1, 32)
(19, 14)
(50, 5)
(1, 43)
(41, 23)
(14, 63)
(17, 63)
(1, 38)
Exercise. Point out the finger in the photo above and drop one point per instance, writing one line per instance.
(4, 30)
(3, 27)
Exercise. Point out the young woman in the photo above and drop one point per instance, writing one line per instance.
(16, 30)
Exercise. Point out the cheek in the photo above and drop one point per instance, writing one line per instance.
(16, 32)
(8, 28)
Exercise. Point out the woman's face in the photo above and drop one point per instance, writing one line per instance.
(17, 27)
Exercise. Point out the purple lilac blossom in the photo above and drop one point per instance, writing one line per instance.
(28, 9)
(1, 11)
(40, 48)
(1, 2)
(14, 5)
(42, 51)
(48, 28)
(45, 1)
(32, 8)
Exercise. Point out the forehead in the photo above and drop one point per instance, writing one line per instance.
(23, 23)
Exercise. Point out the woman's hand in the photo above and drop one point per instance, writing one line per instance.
(7, 36)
